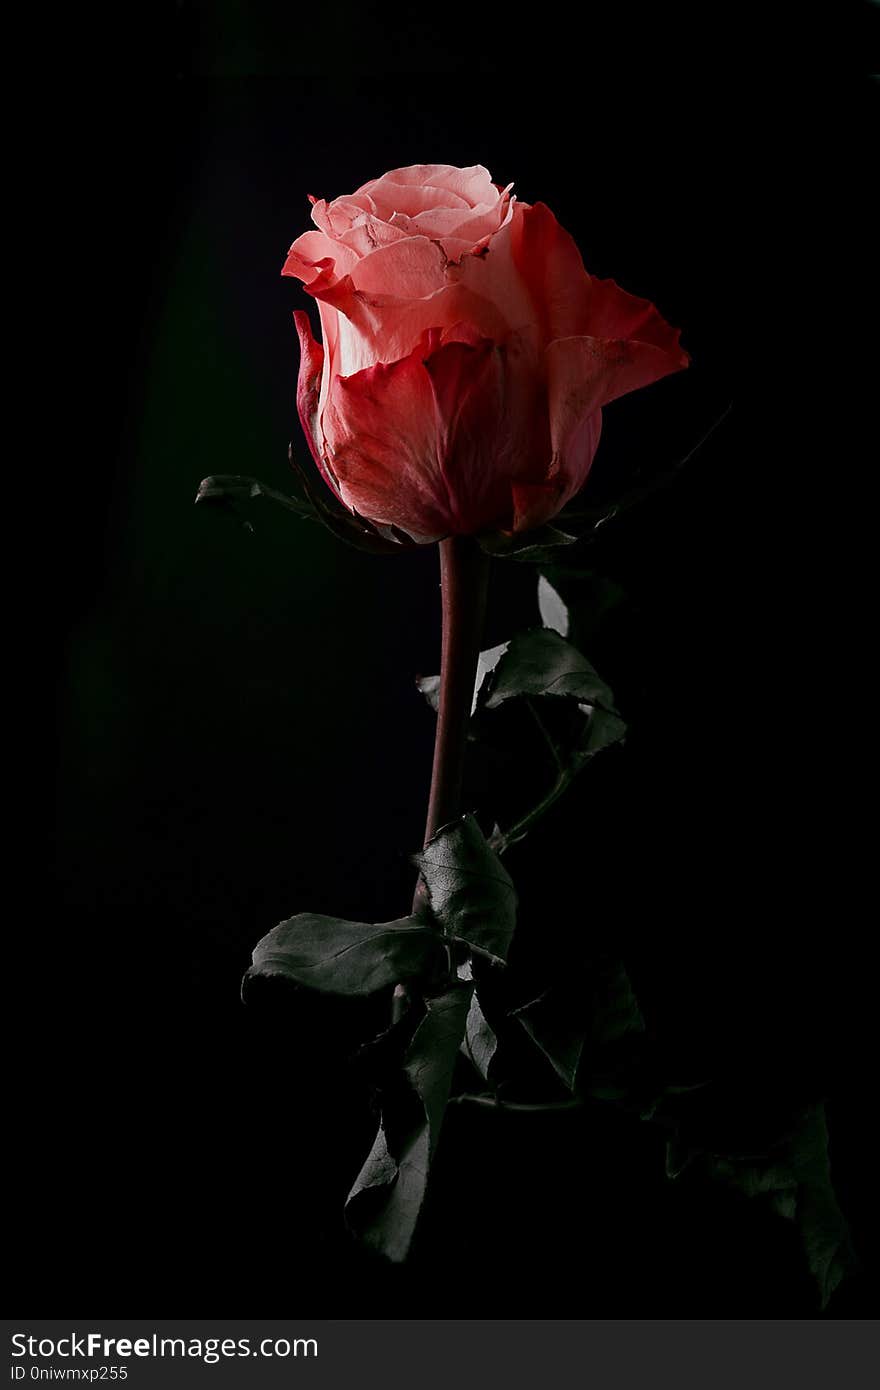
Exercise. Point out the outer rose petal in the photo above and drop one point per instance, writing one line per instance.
(586, 373)
(468, 384)
(311, 362)
(550, 264)
(536, 503)
(492, 418)
(381, 442)
(616, 314)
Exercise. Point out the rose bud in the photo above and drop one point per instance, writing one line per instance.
(467, 353)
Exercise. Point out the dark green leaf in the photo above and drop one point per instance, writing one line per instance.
(602, 729)
(225, 487)
(541, 663)
(560, 1033)
(384, 1204)
(535, 546)
(795, 1176)
(319, 504)
(470, 892)
(534, 664)
(339, 957)
(596, 1009)
(480, 1043)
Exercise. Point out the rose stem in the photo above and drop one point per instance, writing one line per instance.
(464, 575)
(464, 582)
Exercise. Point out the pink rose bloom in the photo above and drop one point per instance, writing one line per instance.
(467, 353)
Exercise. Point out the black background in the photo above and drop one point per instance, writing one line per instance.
(239, 736)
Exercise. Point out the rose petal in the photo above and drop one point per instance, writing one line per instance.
(318, 260)
(466, 378)
(473, 183)
(492, 420)
(381, 441)
(586, 373)
(369, 233)
(616, 314)
(409, 269)
(550, 264)
(311, 362)
(391, 197)
(449, 223)
(491, 272)
(336, 217)
(381, 328)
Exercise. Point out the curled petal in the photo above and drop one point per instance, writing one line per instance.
(311, 363)
(616, 314)
(318, 260)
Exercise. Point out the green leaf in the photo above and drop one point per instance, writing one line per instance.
(602, 729)
(537, 545)
(339, 957)
(597, 1009)
(471, 893)
(480, 1042)
(384, 1204)
(229, 490)
(559, 1033)
(319, 504)
(795, 1176)
(535, 664)
(541, 663)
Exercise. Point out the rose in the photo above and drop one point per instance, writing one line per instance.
(467, 353)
